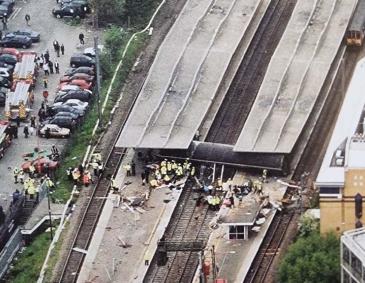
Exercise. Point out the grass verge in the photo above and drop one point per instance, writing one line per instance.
(29, 263)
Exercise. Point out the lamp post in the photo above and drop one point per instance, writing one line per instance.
(49, 212)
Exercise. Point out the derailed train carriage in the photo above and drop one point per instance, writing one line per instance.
(356, 32)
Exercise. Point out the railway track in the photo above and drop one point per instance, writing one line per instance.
(90, 218)
(247, 81)
(188, 223)
(269, 248)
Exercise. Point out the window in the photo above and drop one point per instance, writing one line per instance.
(346, 277)
(329, 190)
(345, 254)
(236, 232)
(356, 266)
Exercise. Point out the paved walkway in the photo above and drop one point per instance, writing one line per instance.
(123, 236)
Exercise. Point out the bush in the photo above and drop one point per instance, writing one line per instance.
(314, 258)
(308, 225)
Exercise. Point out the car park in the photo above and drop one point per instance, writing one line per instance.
(75, 94)
(75, 103)
(54, 131)
(68, 11)
(8, 59)
(63, 122)
(59, 107)
(16, 41)
(81, 83)
(84, 70)
(77, 76)
(80, 60)
(35, 36)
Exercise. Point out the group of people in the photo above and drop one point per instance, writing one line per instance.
(166, 172)
(80, 175)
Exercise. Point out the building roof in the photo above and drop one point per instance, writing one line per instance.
(346, 127)
(355, 240)
(186, 73)
(245, 214)
(295, 76)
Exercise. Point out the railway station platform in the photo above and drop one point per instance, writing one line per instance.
(233, 257)
(295, 76)
(187, 72)
(124, 235)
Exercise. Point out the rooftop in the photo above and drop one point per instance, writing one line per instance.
(355, 240)
(346, 147)
(295, 76)
(245, 214)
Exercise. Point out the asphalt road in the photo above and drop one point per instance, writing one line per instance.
(50, 29)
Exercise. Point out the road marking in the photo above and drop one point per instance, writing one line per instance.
(16, 12)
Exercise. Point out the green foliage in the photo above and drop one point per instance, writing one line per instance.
(310, 259)
(308, 225)
(114, 39)
(109, 11)
(314, 200)
(137, 11)
(27, 267)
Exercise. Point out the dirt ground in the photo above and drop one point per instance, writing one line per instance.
(161, 25)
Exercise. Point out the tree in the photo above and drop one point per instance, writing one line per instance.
(109, 11)
(310, 259)
(136, 10)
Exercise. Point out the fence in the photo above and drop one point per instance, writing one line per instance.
(9, 251)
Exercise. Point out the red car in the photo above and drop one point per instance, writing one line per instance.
(77, 76)
(39, 164)
(81, 83)
(11, 51)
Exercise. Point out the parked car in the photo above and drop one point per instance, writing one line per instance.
(4, 82)
(6, 8)
(74, 94)
(55, 131)
(77, 76)
(83, 4)
(35, 36)
(3, 92)
(67, 88)
(12, 51)
(4, 72)
(59, 107)
(16, 41)
(8, 59)
(71, 115)
(74, 11)
(81, 83)
(84, 70)
(10, 68)
(90, 51)
(63, 122)
(75, 103)
(40, 164)
(80, 60)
